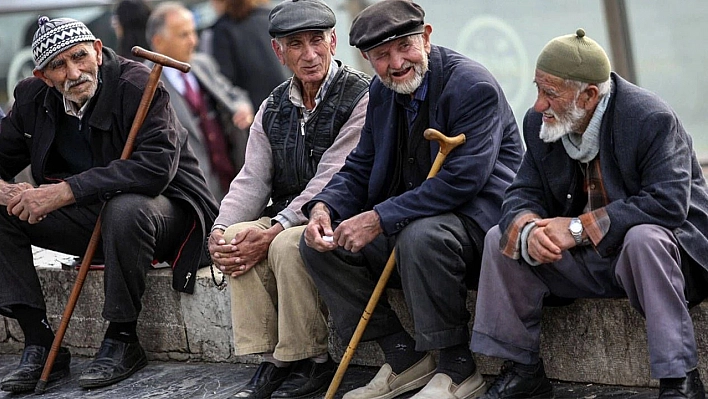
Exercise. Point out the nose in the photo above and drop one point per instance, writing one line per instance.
(73, 71)
(308, 52)
(397, 60)
(541, 104)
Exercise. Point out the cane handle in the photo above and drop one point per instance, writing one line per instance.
(446, 143)
(161, 59)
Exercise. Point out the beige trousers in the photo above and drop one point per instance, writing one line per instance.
(275, 306)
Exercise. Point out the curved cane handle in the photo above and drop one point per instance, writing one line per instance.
(446, 143)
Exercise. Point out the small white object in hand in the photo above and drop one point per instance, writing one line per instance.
(328, 238)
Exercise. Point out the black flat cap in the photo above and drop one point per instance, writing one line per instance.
(384, 21)
(292, 16)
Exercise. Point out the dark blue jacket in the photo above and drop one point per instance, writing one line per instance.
(464, 98)
(649, 171)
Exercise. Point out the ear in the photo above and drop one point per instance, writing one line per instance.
(276, 48)
(40, 74)
(98, 47)
(333, 46)
(156, 43)
(427, 30)
(590, 98)
(363, 54)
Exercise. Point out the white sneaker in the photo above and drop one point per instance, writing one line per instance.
(386, 384)
(442, 387)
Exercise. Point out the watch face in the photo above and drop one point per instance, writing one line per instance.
(575, 226)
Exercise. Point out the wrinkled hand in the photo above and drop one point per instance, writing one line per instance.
(9, 191)
(320, 225)
(221, 251)
(354, 233)
(549, 239)
(32, 205)
(247, 249)
(243, 117)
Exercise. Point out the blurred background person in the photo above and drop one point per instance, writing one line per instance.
(240, 43)
(128, 22)
(216, 114)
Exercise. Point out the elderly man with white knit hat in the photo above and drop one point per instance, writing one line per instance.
(610, 201)
(70, 123)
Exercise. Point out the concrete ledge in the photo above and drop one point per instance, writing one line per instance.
(172, 326)
(599, 341)
(594, 341)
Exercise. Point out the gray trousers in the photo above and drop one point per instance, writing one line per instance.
(647, 271)
(135, 231)
(432, 258)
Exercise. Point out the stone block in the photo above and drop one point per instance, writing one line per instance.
(171, 326)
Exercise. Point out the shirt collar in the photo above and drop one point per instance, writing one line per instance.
(295, 92)
(419, 94)
(70, 107)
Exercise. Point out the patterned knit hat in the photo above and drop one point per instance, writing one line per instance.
(575, 57)
(55, 36)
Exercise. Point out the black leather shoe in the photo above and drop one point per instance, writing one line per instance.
(28, 373)
(306, 379)
(115, 361)
(264, 382)
(689, 387)
(520, 381)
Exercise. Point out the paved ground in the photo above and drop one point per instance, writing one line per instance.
(184, 380)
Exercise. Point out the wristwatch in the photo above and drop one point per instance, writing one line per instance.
(576, 230)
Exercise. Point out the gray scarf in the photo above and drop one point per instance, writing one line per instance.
(583, 147)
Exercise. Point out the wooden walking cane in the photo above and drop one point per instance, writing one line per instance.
(447, 144)
(159, 61)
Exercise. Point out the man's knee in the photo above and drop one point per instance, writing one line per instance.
(125, 209)
(420, 235)
(651, 237)
(234, 229)
(646, 239)
(285, 246)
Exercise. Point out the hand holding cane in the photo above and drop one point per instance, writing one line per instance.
(447, 144)
(159, 61)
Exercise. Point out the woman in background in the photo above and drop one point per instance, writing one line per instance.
(129, 20)
(240, 43)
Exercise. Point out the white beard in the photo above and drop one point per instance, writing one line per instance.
(563, 125)
(411, 85)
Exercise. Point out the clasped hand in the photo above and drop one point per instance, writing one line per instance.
(549, 239)
(33, 204)
(245, 250)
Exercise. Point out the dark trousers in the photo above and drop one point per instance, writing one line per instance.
(135, 231)
(432, 258)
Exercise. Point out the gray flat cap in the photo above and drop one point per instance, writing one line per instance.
(384, 21)
(292, 16)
